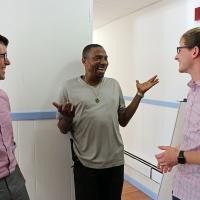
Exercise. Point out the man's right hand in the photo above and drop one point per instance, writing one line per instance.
(66, 109)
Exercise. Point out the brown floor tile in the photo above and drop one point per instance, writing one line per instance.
(132, 193)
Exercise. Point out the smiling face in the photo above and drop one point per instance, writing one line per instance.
(185, 57)
(188, 53)
(95, 64)
(3, 61)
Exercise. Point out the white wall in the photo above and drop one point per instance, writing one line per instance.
(139, 46)
(144, 44)
(46, 40)
(44, 157)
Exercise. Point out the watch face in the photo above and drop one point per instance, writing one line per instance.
(181, 158)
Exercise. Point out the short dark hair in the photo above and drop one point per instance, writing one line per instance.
(192, 37)
(87, 49)
(4, 40)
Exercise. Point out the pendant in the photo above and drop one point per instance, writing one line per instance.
(97, 100)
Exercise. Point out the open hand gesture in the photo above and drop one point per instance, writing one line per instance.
(143, 87)
(66, 109)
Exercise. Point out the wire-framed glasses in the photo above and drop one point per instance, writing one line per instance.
(178, 49)
(3, 55)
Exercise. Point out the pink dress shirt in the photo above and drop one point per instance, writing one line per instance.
(186, 184)
(7, 144)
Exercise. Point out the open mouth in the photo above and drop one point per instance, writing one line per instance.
(101, 69)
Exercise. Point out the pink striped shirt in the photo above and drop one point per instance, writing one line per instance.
(7, 144)
(186, 184)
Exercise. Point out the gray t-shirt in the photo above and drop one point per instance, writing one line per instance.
(97, 140)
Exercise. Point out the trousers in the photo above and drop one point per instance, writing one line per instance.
(98, 184)
(12, 187)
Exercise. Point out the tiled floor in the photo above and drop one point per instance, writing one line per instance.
(132, 193)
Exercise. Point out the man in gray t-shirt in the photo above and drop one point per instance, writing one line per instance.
(92, 107)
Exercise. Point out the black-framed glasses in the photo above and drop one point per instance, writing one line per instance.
(178, 49)
(3, 55)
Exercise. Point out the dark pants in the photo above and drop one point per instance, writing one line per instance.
(98, 184)
(13, 187)
(175, 198)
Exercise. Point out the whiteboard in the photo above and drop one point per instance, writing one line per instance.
(165, 192)
(150, 127)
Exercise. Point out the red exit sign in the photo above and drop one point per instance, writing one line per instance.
(197, 14)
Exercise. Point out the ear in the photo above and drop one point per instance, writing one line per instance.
(83, 60)
(196, 51)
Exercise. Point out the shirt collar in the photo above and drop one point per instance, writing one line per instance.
(194, 84)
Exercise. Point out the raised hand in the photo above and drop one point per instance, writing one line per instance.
(66, 109)
(143, 87)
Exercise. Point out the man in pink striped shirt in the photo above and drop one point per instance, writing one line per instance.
(12, 183)
(186, 156)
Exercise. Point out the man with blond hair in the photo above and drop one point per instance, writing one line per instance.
(186, 156)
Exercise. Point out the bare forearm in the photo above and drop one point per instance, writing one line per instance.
(128, 113)
(192, 157)
(65, 124)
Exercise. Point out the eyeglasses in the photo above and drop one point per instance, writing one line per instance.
(178, 49)
(4, 56)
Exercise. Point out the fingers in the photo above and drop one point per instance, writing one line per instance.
(153, 81)
(73, 110)
(161, 159)
(66, 106)
(66, 109)
(159, 156)
(143, 87)
(153, 78)
(164, 147)
(164, 168)
(56, 104)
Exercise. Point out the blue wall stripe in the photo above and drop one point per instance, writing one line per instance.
(20, 116)
(141, 187)
(169, 104)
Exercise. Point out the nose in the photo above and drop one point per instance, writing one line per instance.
(7, 61)
(176, 57)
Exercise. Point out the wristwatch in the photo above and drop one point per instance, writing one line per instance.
(181, 157)
(140, 94)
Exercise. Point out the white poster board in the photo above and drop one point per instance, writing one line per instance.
(165, 192)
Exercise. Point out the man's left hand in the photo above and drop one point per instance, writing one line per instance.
(143, 87)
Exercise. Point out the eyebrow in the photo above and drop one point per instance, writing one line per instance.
(101, 56)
